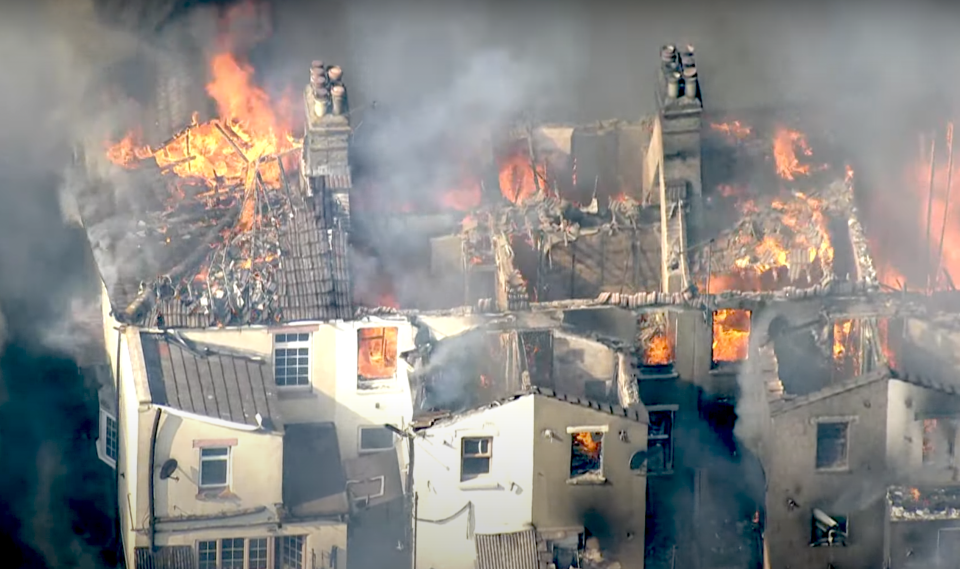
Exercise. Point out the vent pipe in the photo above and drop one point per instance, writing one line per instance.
(690, 83)
(337, 98)
(673, 85)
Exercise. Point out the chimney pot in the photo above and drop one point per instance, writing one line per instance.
(686, 56)
(668, 54)
(690, 83)
(317, 64)
(335, 73)
(337, 94)
(673, 85)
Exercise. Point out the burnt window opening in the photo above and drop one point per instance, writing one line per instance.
(567, 551)
(939, 441)
(657, 341)
(731, 336)
(832, 443)
(537, 346)
(376, 354)
(827, 530)
(660, 442)
(847, 350)
(475, 455)
(586, 454)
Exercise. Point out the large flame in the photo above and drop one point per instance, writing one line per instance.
(786, 143)
(377, 353)
(587, 444)
(246, 141)
(659, 351)
(517, 182)
(731, 335)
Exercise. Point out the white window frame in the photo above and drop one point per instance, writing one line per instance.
(362, 450)
(366, 385)
(246, 550)
(295, 344)
(279, 550)
(102, 449)
(488, 455)
(228, 459)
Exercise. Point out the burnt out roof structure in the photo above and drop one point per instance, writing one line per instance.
(259, 245)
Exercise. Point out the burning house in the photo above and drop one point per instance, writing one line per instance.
(230, 324)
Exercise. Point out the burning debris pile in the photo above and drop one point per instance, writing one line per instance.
(914, 504)
(786, 238)
(221, 218)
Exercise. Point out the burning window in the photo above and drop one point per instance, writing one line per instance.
(376, 353)
(654, 337)
(846, 348)
(939, 441)
(827, 530)
(586, 453)
(660, 441)
(832, 444)
(291, 359)
(475, 455)
(731, 335)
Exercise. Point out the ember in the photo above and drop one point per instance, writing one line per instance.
(731, 335)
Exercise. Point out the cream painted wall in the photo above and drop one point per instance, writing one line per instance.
(391, 403)
(502, 500)
(256, 467)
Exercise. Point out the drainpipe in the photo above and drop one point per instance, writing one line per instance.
(412, 490)
(123, 551)
(152, 484)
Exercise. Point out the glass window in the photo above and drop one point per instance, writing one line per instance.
(214, 467)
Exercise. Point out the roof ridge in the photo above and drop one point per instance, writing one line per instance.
(610, 409)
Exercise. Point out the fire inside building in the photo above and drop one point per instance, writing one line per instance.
(610, 305)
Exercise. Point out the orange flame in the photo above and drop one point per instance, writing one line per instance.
(841, 333)
(229, 151)
(659, 351)
(377, 353)
(883, 327)
(786, 142)
(517, 178)
(586, 443)
(733, 129)
(915, 494)
(731, 335)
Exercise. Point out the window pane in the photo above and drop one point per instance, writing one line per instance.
(210, 452)
(289, 552)
(213, 472)
(831, 445)
(207, 555)
(257, 553)
(232, 553)
(476, 445)
(471, 466)
(372, 438)
(111, 442)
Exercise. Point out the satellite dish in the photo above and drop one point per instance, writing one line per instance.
(638, 459)
(168, 468)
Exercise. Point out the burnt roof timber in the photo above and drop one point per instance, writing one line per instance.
(863, 303)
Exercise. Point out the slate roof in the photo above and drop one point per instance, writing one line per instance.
(211, 381)
(434, 419)
(789, 403)
(314, 483)
(517, 550)
(155, 238)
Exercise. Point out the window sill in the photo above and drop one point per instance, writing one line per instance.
(376, 386)
(833, 470)
(588, 480)
(480, 484)
(296, 392)
(215, 494)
